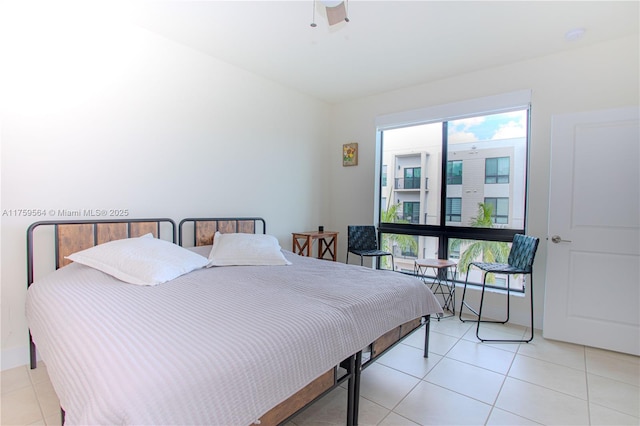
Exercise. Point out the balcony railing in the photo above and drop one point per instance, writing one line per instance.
(410, 183)
(408, 218)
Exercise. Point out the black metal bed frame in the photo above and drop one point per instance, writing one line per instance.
(353, 365)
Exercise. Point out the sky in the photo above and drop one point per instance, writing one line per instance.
(489, 127)
(482, 128)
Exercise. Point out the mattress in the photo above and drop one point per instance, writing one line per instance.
(217, 346)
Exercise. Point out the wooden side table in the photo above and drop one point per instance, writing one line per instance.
(441, 284)
(327, 243)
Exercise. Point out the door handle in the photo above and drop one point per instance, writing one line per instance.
(558, 239)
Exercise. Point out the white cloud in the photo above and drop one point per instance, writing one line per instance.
(510, 130)
(460, 137)
(459, 130)
(465, 123)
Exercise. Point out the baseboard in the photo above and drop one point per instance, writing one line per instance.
(14, 357)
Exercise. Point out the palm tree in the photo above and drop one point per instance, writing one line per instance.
(405, 242)
(488, 251)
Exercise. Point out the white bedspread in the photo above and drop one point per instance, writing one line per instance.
(218, 346)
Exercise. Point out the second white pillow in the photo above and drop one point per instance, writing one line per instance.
(245, 250)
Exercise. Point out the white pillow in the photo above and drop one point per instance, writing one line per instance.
(143, 261)
(245, 249)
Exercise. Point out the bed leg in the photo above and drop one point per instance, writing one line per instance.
(62, 414)
(32, 352)
(353, 397)
(356, 392)
(351, 390)
(427, 329)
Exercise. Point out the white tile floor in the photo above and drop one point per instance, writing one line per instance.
(462, 382)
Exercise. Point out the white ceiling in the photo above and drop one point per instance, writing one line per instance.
(387, 44)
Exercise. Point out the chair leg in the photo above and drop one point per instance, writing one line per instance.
(508, 340)
(531, 296)
(462, 302)
(478, 313)
(484, 284)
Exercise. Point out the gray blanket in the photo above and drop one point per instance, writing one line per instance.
(218, 346)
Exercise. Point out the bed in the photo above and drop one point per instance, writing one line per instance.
(215, 345)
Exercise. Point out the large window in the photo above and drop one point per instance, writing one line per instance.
(470, 216)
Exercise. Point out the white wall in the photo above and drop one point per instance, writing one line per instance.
(107, 115)
(597, 77)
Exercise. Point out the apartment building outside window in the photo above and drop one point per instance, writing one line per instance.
(476, 168)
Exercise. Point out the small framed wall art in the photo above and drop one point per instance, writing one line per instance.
(350, 154)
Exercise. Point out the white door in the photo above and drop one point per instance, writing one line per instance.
(592, 292)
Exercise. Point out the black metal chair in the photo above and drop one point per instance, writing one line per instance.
(520, 262)
(363, 241)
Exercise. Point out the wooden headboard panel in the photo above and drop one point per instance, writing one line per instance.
(73, 236)
(203, 229)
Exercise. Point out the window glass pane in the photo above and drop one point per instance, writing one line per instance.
(497, 170)
(492, 150)
(497, 209)
(467, 251)
(407, 248)
(503, 170)
(454, 210)
(491, 170)
(411, 212)
(454, 172)
(413, 157)
(412, 178)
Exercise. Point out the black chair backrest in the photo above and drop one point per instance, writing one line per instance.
(362, 237)
(523, 251)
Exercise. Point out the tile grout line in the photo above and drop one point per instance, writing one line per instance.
(504, 380)
(586, 381)
(35, 391)
(420, 380)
